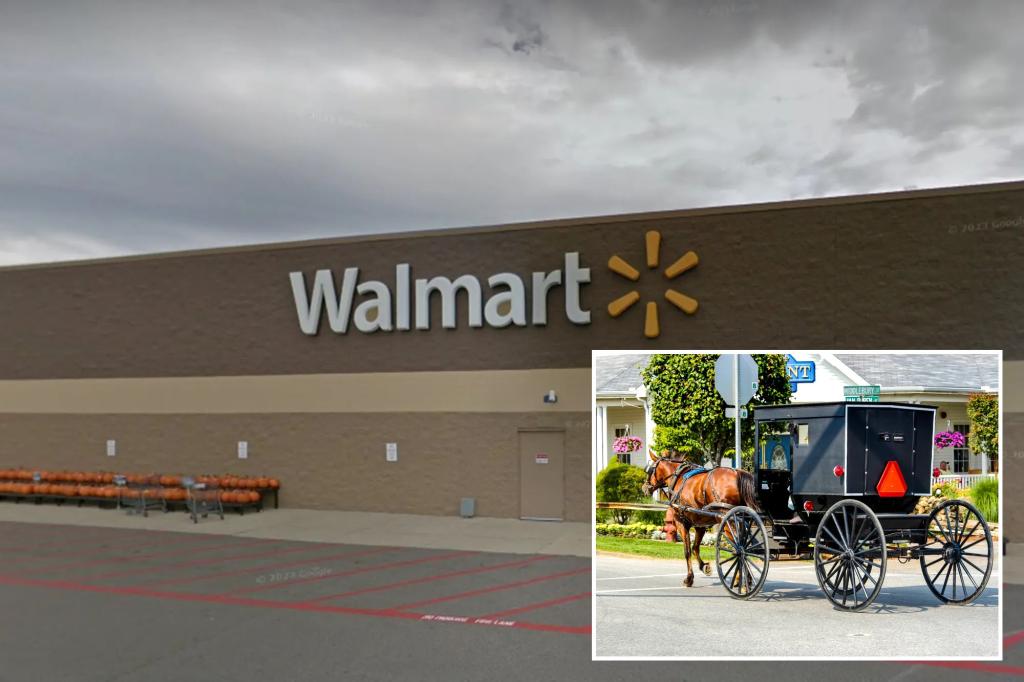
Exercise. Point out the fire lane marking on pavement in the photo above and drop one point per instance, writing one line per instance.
(227, 599)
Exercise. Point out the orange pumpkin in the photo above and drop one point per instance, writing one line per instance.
(274, 483)
(254, 496)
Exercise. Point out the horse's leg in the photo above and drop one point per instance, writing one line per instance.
(683, 526)
(698, 536)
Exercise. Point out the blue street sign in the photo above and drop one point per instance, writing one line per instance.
(799, 372)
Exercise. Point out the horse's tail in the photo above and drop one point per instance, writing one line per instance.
(748, 491)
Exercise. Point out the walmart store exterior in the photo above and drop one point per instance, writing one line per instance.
(406, 372)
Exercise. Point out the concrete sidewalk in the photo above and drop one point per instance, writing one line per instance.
(356, 528)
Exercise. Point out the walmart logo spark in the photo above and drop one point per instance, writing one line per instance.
(620, 267)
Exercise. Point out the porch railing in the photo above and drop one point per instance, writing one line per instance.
(963, 481)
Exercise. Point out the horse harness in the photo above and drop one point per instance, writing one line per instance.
(690, 473)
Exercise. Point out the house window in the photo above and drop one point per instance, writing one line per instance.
(962, 456)
(620, 457)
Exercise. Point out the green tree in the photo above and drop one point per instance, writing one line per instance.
(620, 482)
(688, 413)
(983, 411)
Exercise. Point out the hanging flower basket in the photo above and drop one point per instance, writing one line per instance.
(949, 439)
(626, 445)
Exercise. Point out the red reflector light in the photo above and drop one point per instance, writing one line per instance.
(891, 484)
(808, 506)
(838, 471)
(936, 472)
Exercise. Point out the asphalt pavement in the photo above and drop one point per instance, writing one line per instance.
(641, 605)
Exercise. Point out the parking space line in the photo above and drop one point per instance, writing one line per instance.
(1013, 639)
(539, 605)
(493, 588)
(286, 605)
(978, 666)
(431, 578)
(330, 576)
(269, 567)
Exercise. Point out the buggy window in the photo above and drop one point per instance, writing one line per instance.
(803, 434)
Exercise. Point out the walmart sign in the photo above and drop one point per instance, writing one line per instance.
(799, 372)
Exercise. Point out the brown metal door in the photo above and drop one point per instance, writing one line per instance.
(541, 474)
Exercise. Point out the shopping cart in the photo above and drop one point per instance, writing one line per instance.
(139, 494)
(202, 499)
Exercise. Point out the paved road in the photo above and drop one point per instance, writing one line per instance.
(642, 610)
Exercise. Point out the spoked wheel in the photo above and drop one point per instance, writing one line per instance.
(957, 557)
(742, 536)
(849, 555)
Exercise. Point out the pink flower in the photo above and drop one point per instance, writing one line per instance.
(626, 444)
(946, 439)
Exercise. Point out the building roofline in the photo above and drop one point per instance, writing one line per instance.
(937, 389)
(877, 197)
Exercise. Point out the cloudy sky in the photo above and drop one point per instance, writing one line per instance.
(126, 129)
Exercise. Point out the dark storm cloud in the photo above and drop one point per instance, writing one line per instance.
(126, 128)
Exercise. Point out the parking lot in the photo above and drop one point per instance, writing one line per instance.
(109, 604)
(641, 604)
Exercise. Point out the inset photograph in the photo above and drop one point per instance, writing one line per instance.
(797, 504)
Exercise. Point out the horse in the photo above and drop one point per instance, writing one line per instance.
(721, 486)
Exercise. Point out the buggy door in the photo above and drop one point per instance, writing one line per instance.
(878, 435)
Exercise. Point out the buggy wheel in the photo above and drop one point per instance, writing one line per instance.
(849, 555)
(742, 535)
(958, 550)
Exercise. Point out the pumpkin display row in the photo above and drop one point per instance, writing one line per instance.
(169, 494)
(231, 481)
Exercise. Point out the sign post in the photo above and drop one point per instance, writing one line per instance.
(736, 382)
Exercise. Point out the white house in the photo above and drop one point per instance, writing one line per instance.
(944, 380)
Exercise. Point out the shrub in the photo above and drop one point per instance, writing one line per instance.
(985, 495)
(619, 482)
(946, 491)
(632, 530)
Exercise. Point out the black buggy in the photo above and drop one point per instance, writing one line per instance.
(842, 480)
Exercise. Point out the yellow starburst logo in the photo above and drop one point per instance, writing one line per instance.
(620, 267)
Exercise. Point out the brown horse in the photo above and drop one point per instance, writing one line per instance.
(721, 485)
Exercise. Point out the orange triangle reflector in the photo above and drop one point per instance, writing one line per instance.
(891, 484)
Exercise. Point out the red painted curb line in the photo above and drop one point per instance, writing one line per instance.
(291, 606)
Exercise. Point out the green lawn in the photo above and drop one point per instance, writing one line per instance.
(656, 549)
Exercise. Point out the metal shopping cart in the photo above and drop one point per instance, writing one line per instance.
(202, 499)
(140, 494)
